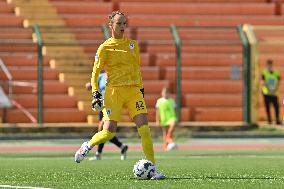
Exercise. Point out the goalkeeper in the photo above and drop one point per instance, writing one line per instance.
(120, 58)
(102, 85)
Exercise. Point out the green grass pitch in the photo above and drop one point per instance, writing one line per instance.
(184, 169)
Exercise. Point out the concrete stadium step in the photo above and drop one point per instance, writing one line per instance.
(278, 59)
(200, 73)
(49, 87)
(273, 48)
(43, 22)
(197, 8)
(22, 60)
(50, 100)
(216, 114)
(191, 1)
(65, 62)
(209, 59)
(6, 8)
(154, 33)
(269, 34)
(73, 68)
(63, 49)
(213, 100)
(58, 37)
(211, 86)
(197, 48)
(7, 19)
(15, 33)
(211, 20)
(83, 7)
(30, 73)
(30, 11)
(23, 45)
(51, 115)
(76, 20)
(31, 2)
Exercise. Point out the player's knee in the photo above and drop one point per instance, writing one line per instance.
(144, 131)
(140, 119)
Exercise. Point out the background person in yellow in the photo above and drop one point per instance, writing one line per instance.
(120, 58)
(166, 118)
(270, 90)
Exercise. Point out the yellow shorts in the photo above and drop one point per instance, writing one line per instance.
(115, 98)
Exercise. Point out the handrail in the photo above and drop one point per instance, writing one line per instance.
(246, 75)
(25, 111)
(36, 30)
(178, 69)
(9, 77)
(254, 71)
(18, 83)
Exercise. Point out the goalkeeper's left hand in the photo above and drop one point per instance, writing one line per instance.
(142, 91)
(97, 102)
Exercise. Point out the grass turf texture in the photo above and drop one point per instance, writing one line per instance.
(184, 169)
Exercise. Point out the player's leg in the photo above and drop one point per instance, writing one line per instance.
(138, 112)
(111, 114)
(275, 103)
(123, 148)
(106, 134)
(267, 107)
(99, 151)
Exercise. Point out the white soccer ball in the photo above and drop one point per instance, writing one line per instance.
(171, 146)
(144, 169)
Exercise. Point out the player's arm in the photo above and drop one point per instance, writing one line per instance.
(97, 101)
(98, 64)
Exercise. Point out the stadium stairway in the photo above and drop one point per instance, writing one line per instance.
(20, 56)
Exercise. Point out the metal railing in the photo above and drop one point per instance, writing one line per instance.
(11, 101)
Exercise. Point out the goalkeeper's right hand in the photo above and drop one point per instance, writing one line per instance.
(97, 102)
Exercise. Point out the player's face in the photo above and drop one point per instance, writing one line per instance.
(118, 26)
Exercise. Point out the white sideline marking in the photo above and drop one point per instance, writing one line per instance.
(27, 187)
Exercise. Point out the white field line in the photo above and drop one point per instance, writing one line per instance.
(26, 187)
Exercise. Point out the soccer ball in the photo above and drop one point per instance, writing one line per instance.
(171, 146)
(144, 169)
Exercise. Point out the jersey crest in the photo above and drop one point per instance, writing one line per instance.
(131, 45)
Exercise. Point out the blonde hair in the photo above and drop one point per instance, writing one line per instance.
(112, 15)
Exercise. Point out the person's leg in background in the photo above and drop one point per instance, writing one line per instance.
(170, 132)
(267, 108)
(275, 103)
(165, 143)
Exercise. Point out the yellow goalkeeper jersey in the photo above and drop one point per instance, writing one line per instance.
(120, 58)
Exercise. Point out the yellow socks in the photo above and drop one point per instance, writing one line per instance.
(101, 137)
(147, 143)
